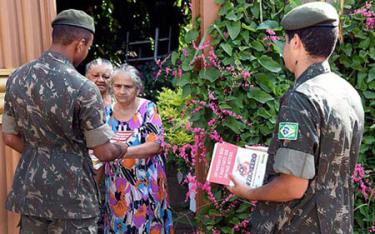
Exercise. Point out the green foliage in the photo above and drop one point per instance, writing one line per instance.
(152, 84)
(170, 106)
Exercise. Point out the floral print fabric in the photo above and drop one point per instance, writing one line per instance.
(136, 189)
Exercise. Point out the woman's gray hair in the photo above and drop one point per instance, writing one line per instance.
(98, 61)
(133, 73)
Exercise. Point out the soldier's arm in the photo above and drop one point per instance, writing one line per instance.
(11, 135)
(281, 189)
(97, 132)
(110, 151)
(294, 161)
(14, 141)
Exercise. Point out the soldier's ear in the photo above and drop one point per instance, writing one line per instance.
(80, 45)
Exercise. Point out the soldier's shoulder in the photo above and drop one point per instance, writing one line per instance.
(22, 69)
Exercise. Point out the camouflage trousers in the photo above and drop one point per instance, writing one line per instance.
(38, 225)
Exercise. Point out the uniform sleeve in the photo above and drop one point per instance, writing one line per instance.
(297, 137)
(9, 124)
(92, 116)
(153, 117)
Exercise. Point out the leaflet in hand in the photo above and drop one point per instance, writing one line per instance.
(121, 136)
(246, 164)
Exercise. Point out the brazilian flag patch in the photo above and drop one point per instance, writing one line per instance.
(288, 131)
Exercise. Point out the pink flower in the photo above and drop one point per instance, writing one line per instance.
(215, 136)
(167, 70)
(185, 52)
(211, 122)
(370, 22)
(226, 35)
(245, 74)
(270, 32)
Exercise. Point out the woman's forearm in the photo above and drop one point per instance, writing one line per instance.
(144, 150)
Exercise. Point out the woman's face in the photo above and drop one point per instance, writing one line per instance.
(124, 88)
(100, 74)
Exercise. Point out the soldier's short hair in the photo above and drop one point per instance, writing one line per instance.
(133, 73)
(66, 34)
(318, 41)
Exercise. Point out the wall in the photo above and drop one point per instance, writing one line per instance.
(25, 32)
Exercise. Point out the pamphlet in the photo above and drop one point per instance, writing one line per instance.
(247, 164)
(120, 136)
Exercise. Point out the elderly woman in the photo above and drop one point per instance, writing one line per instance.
(136, 187)
(99, 71)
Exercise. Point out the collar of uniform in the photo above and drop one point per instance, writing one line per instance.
(57, 57)
(313, 71)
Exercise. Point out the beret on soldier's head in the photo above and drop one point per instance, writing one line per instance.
(319, 14)
(75, 18)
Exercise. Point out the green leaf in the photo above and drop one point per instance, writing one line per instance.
(372, 53)
(232, 16)
(211, 74)
(233, 124)
(174, 57)
(234, 29)
(255, 10)
(246, 37)
(266, 81)
(218, 30)
(185, 79)
(191, 36)
(263, 113)
(269, 24)
(220, 1)
(269, 64)
(186, 90)
(226, 229)
(227, 48)
(258, 46)
(369, 94)
(186, 66)
(364, 43)
(371, 75)
(247, 27)
(347, 48)
(243, 207)
(259, 95)
(246, 55)
(213, 212)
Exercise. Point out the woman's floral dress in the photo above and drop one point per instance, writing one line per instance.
(136, 189)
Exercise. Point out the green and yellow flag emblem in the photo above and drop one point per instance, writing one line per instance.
(288, 131)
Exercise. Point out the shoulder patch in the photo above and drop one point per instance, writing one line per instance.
(288, 131)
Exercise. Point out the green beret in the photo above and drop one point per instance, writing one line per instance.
(320, 14)
(75, 18)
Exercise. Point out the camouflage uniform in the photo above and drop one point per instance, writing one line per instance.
(329, 119)
(58, 113)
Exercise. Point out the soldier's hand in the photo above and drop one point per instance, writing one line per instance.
(122, 149)
(238, 188)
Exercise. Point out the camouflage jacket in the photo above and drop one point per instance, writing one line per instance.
(59, 114)
(317, 137)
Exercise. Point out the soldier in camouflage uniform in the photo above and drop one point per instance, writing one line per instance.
(52, 116)
(308, 185)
